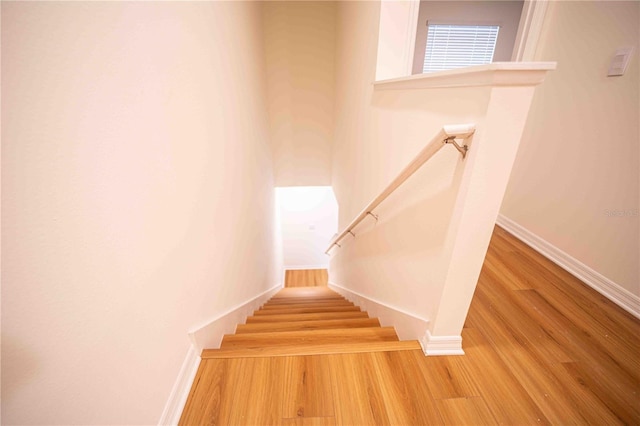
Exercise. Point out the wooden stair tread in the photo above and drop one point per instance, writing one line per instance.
(309, 337)
(313, 316)
(310, 310)
(308, 321)
(336, 304)
(307, 325)
(315, 349)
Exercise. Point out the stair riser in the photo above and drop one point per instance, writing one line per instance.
(308, 305)
(306, 310)
(307, 325)
(294, 300)
(305, 317)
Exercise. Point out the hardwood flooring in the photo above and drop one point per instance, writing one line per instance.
(541, 348)
(306, 278)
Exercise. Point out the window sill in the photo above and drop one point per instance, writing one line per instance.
(494, 74)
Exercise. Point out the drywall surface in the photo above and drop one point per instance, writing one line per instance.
(309, 219)
(400, 259)
(299, 42)
(575, 182)
(135, 156)
(506, 14)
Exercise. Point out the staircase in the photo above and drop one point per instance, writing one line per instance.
(308, 321)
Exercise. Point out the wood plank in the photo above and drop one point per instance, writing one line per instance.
(307, 386)
(598, 405)
(316, 316)
(309, 421)
(407, 401)
(465, 411)
(209, 401)
(306, 278)
(356, 391)
(335, 348)
(305, 337)
(527, 364)
(307, 325)
(447, 376)
(610, 376)
(288, 311)
(257, 391)
(505, 396)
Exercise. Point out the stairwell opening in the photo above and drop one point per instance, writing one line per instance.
(307, 220)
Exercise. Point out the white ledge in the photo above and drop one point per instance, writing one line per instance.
(495, 74)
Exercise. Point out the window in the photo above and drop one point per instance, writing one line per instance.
(456, 46)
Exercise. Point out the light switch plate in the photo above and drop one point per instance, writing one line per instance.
(620, 61)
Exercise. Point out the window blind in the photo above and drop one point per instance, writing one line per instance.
(456, 46)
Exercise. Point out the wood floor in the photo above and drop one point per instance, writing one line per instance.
(541, 348)
(305, 277)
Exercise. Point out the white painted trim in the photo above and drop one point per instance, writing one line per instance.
(209, 335)
(397, 29)
(494, 74)
(305, 267)
(408, 326)
(412, 30)
(611, 290)
(181, 388)
(529, 30)
(441, 345)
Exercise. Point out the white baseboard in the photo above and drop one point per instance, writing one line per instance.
(611, 290)
(408, 326)
(209, 335)
(305, 267)
(181, 388)
(441, 345)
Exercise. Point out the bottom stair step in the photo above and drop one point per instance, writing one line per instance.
(315, 349)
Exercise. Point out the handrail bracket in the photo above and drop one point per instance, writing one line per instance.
(462, 148)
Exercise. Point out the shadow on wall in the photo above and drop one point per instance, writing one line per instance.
(29, 365)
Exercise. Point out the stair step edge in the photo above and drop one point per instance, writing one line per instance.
(317, 349)
(351, 332)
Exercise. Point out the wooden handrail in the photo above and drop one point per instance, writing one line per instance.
(448, 134)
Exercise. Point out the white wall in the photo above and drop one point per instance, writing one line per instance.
(424, 254)
(503, 13)
(579, 160)
(135, 156)
(300, 48)
(308, 219)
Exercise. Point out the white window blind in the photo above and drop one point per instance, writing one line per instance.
(456, 46)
